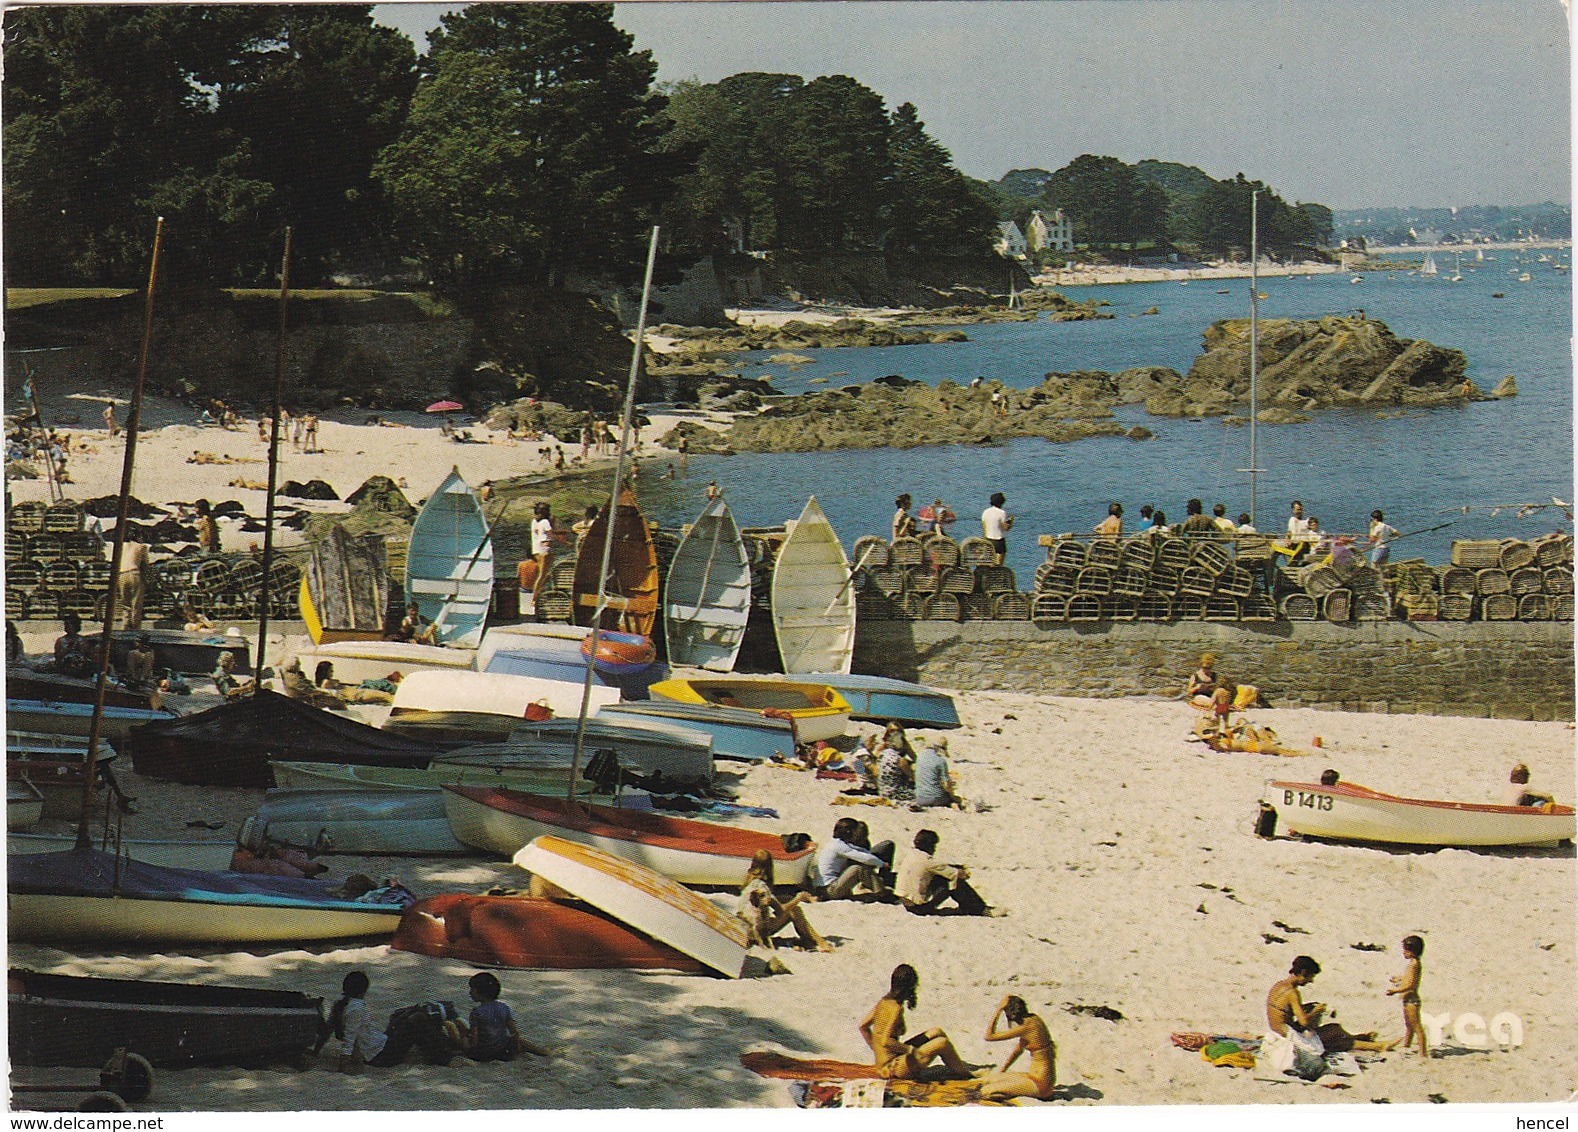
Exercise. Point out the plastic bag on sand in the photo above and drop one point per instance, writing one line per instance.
(1300, 1054)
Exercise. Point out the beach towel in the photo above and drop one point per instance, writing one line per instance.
(1230, 1054)
(770, 1063)
(861, 800)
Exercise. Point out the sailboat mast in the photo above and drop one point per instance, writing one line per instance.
(1254, 346)
(122, 507)
(265, 593)
(613, 510)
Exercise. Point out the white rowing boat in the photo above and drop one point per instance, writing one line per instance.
(1345, 812)
(813, 600)
(707, 600)
(449, 564)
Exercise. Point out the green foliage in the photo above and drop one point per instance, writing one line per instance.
(934, 207)
(1111, 205)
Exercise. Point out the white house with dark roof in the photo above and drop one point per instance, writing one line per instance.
(1010, 241)
(1054, 233)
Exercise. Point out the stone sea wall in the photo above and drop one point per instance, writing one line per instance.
(1503, 670)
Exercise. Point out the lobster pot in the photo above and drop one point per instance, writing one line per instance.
(1105, 552)
(1068, 553)
(282, 604)
(1476, 554)
(1299, 607)
(1235, 581)
(942, 607)
(1492, 582)
(1372, 607)
(1121, 608)
(1130, 581)
(977, 552)
(1173, 552)
(561, 575)
(921, 580)
(1011, 607)
(871, 606)
(61, 576)
(1557, 580)
(211, 575)
(244, 574)
(1367, 580)
(1456, 607)
(1062, 581)
(15, 604)
(1458, 580)
(82, 544)
(1043, 571)
(555, 604)
(1253, 549)
(1534, 607)
(976, 607)
(27, 517)
(994, 579)
(1164, 579)
(956, 580)
(1420, 607)
(1257, 607)
(1553, 549)
(1219, 608)
(1412, 577)
(1048, 608)
(1196, 582)
(1528, 580)
(1153, 606)
(1084, 607)
(173, 574)
(1516, 554)
(871, 550)
(16, 545)
(1095, 580)
(1498, 607)
(42, 605)
(94, 575)
(887, 580)
(1211, 556)
(45, 548)
(1190, 607)
(1561, 607)
(915, 606)
(62, 517)
(1338, 605)
(27, 575)
(942, 552)
(1318, 581)
(284, 575)
(906, 551)
(1139, 553)
(84, 604)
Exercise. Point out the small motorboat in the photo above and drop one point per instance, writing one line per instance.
(355, 661)
(1346, 812)
(544, 771)
(65, 718)
(530, 932)
(645, 745)
(472, 707)
(564, 660)
(816, 710)
(619, 654)
(645, 900)
(71, 1020)
(692, 852)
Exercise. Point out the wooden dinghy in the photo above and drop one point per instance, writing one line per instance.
(879, 699)
(677, 756)
(482, 706)
(647, 901)
(536, 771)
(344, 594)
(86, 895)
(71, 1020)
(531, 933)
(207, 856)
(75, 719)
(632, 584)
(818, 712)
(692, 852)
(813, 599)
(355, 661)
(1345, 812)
(708, 597)
(24, 807)
(449, 565)
(53, 764)
(357, 821)
(53, 688)
(745, 736)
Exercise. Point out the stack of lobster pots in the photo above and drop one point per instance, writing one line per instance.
(1508, 580)
(1144, 578)
(934, 578)
(53, 566)
(225, 587)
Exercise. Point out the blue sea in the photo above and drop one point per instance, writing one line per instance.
(1422, 467)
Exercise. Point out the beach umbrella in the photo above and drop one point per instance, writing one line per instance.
(445, 407)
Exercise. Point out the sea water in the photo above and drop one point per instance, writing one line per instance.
(1423, 467)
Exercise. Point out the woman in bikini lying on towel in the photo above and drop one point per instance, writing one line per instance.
(898, 1057)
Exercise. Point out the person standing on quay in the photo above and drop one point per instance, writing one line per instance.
(995, 525)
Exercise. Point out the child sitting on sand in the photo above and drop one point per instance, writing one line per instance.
(1407, 985)
(360, 1042)
(491, 1034)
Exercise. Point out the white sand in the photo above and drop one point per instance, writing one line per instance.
(1123, 858)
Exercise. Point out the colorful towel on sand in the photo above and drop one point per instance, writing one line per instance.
(1193, 1040)
(838, 775)
(861, 800)
(1228, 1053)
(770, 1063)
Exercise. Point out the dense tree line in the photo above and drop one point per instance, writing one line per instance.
(528, 145)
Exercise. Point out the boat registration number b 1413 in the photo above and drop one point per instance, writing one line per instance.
(1307, 800)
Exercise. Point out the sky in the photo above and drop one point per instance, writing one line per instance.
(1349, 103)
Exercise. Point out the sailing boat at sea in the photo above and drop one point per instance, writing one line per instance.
(1429, 267)
(1457, 270)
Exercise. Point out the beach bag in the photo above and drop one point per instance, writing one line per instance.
(1296, 1053)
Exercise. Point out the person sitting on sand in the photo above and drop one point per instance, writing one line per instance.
(842, 865)
(195, 622)
(360, 1042)
(925, 884)
(226, 682)
(73, 655)
(895, 766)
(139, 665)
(491, 1033)
(1202, 685)
(765, 915)
(1296, 1040)
(416, 628)
(1518, 792)
(900, 1058)
(1030, 1035)
(934, 785)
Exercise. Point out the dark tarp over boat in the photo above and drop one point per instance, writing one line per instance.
(67, 1020)
(231, 745)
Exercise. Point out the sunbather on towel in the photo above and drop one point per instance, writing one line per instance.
(904, 1058)
(1030, 1034)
